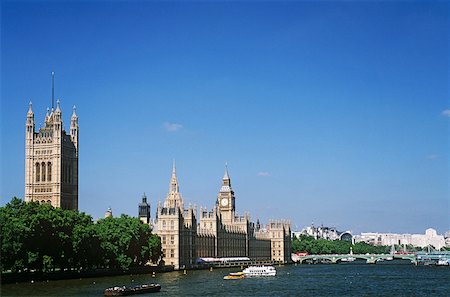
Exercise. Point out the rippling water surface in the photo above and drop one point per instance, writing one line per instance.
(291, 280)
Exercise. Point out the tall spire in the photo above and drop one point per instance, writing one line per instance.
(53, 89)
(173, 187)
(174, 169)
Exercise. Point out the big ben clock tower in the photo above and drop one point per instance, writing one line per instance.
(225, 200)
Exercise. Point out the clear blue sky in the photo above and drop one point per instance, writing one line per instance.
(326, 112)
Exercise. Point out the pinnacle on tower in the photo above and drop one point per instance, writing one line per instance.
(58, 109)
(30, 109)
(74, 113)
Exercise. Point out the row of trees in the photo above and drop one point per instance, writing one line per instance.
(43, 238)
(322, 246)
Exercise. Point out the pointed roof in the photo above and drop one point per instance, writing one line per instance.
(74, 113)
(58, 109)
(226, 176)
(30, 109)
(47, 116)
(226, 181)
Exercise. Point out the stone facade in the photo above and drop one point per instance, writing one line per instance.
(217, 233)
(51, 160)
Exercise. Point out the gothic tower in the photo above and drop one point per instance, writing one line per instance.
(226, 199)
(51, 160)
(144, 210)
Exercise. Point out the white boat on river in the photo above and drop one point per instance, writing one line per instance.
(254, 271)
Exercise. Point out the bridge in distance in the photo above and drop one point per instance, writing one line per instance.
(415, 258)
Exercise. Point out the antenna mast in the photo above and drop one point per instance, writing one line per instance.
(53, 89)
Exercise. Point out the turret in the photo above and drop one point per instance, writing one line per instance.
(57, 113)
(74, 128)
(30, 124)
(144, 210)
(57, 121)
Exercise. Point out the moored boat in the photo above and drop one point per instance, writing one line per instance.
(126, 291)
(443, 262)
(259, 271)
(234, 275)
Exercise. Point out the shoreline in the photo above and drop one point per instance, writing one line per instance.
(24, 277)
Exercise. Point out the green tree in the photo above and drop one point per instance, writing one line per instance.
(40, 237)
(126, 241)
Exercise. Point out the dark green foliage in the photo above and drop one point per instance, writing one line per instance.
(40, 237)
(322, 246)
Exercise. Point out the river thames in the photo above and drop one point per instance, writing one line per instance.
(302, 280)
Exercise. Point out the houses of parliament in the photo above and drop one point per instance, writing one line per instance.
(188, 234)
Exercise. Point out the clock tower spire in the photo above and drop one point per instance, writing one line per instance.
(226, 199)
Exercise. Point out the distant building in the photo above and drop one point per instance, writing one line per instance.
(108, 213)
(51, 160)
(323, 232)
(144, 210)
(421, 240)
(447, 239)
(219, 233)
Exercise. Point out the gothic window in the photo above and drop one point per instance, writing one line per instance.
(38, 172)
(172, 254)
(164, 225)
(172, 225)
(49, 171)
(43, 171)
(49, 202)
(164, 239)
(172, 241)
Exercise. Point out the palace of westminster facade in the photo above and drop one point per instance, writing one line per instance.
(51, 176)
(218, 233)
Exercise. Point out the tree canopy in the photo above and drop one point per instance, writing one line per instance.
(40, 237)
(322, 246)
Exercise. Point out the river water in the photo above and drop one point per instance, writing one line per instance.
(291, 280)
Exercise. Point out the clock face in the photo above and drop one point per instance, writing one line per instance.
(224, 202)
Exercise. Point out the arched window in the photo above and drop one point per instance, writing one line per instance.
(49, 171)
(38, 172)
(49, 202)
(43, 171)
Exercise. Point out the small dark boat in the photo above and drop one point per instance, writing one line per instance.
(125, 291)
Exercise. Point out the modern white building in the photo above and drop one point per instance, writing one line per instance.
(324, 232)
(421, 240)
